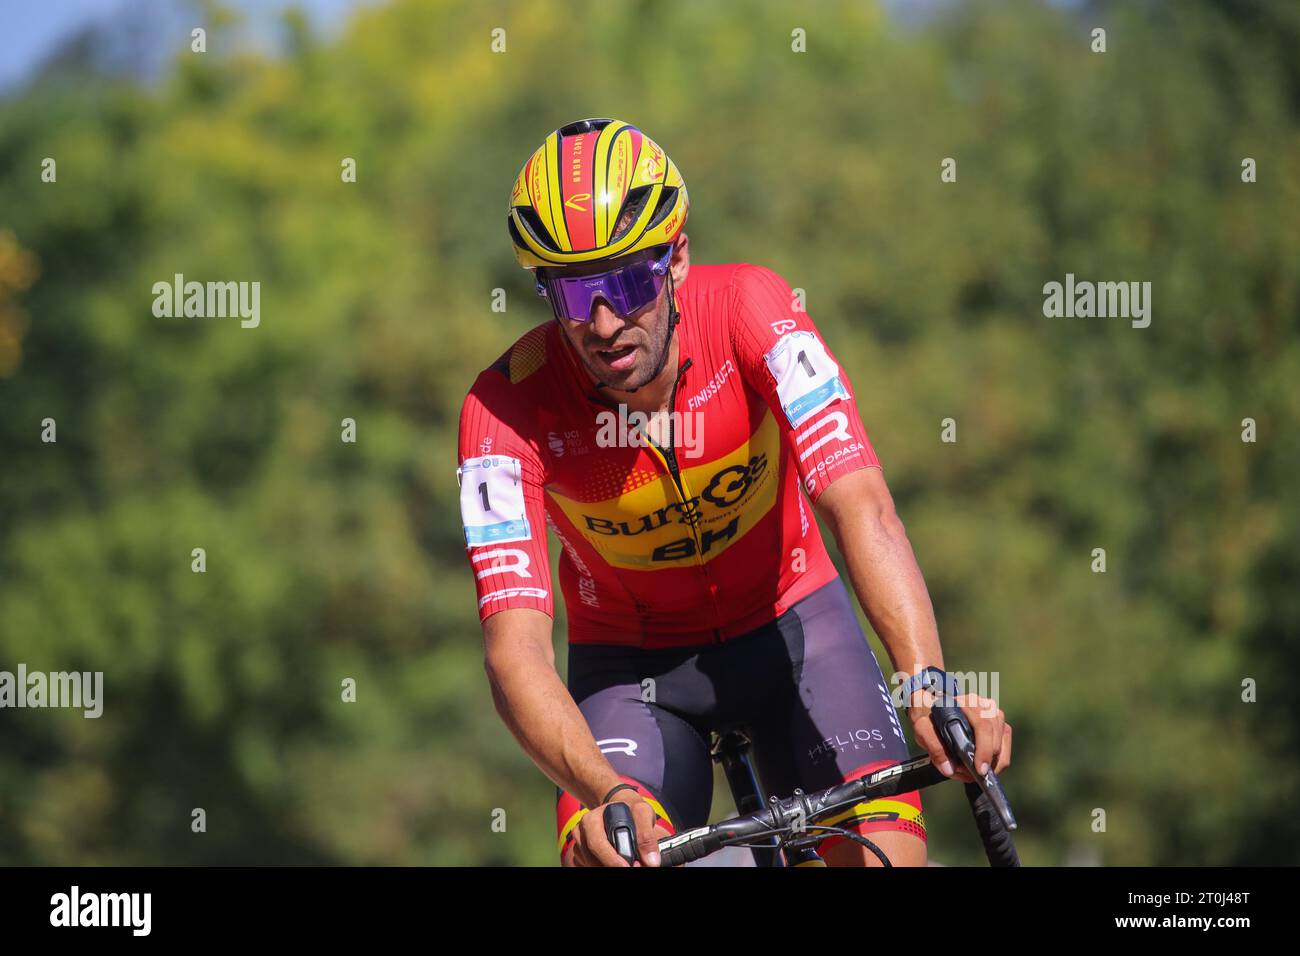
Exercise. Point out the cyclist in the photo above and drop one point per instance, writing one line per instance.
(667, 426)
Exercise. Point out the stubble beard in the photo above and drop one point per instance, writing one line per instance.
(642, 371)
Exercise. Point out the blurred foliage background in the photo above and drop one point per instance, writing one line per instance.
(328, 560)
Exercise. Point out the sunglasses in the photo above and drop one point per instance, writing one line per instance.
(627, 289)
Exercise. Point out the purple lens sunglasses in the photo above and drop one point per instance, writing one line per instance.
(627, 289)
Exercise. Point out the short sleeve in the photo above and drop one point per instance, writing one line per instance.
(782, 356)
(502, 512)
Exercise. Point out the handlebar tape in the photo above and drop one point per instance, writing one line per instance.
(998, 846)
(693, 845)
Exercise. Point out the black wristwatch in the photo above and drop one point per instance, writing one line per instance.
(935, 679)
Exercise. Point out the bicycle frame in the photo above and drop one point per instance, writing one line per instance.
(731, 750)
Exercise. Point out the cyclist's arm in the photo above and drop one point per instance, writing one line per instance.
(859, 510)
(860, 513)
(502, 475)
(537, 707)
(784, 356)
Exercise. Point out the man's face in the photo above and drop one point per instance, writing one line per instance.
(620, 352)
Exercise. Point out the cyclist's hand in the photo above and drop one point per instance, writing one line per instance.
(592, 848)
(992, 735)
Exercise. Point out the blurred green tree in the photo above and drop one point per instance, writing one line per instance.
(328, 560)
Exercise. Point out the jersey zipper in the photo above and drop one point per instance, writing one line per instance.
(669, 455)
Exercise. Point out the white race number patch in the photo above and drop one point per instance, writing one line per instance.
(492, 500)
(807, 378)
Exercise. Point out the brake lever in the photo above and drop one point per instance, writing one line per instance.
(955, 733)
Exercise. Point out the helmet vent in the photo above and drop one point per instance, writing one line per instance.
(584, 126)
(536, 228)
(667, 199)
(631, 212)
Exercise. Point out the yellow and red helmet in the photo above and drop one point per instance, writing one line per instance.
(596, 189)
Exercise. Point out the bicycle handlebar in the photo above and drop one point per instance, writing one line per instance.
(992, 811)
(955, 733)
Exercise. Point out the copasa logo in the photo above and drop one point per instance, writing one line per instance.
(728, 486)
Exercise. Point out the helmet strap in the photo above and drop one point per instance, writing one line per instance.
(668, 339)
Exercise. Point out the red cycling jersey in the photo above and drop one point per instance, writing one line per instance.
(692, 544)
